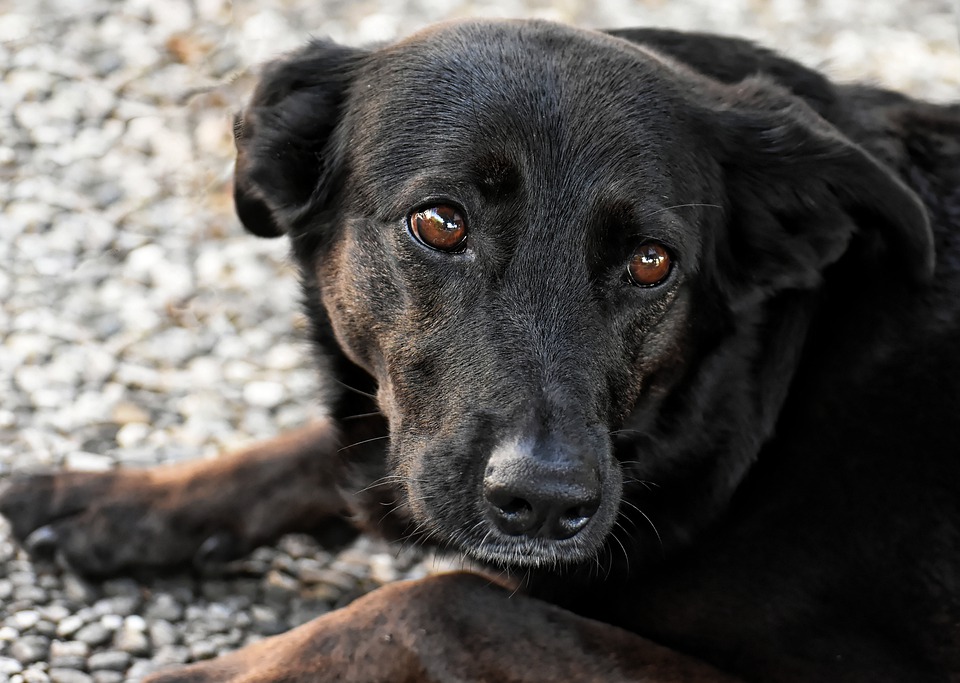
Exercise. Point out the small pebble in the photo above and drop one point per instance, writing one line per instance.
(163, 633)
(25, 620)
(88, 462)
(9, 666)
(164, 607)
(262, 394)
(106, 676)
(70, 654)
(94, 634)
(69, 676)
(30, 649)
(113, 660)
(78, 590)
(131, 637)
(69, 625)
(32, 675)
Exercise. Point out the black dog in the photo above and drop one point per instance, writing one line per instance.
(653, 318)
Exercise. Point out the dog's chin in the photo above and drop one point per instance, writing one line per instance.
(494, 548)
(533, 553)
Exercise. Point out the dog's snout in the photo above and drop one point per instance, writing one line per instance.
(529, 495)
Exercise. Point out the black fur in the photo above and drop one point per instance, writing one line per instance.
(774, 427)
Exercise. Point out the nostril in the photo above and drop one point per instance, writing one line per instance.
(579, 512)
(515, 506)
(512, 514)
(573, 519)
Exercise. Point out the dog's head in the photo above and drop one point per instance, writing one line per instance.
(575, 268)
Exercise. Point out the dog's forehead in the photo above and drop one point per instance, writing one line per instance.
(506, 47)
(540, 87)
(569, 116)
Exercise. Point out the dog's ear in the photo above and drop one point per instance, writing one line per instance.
(730, 60)
(798, 193)
(285, 160)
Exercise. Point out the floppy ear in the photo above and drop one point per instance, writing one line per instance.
(799, 192)
(285, 161)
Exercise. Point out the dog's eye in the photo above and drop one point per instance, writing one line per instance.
(649, 265)
(439, 227)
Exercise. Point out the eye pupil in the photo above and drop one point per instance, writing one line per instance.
(650, 264)
(439, 227)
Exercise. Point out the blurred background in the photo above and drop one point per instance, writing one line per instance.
(140, 324)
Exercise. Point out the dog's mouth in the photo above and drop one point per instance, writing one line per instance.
(497, 549)
(477, 537)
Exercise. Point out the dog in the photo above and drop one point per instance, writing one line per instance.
(663, 323)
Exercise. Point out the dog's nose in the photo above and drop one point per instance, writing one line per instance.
(528, 494)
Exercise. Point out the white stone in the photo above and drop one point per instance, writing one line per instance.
(132, 434)
(88, 462)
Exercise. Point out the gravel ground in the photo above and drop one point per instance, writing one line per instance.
(141, 325)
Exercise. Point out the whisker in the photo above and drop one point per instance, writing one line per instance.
(615, 432)
(626, 556)
(418, 536)
(388, 479)
(354, 389)
(645, 484)
(679, 206)
(649, 521)
(360, 443)
(360, 415)
(520, 584)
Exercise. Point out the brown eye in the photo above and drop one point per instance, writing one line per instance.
(649, 265)
(440, 227)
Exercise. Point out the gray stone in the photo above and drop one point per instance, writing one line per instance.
(24, 620)
(106, 676)
(29, 594)
(203, 649)
(9, 666)
(164, 607)
(112, 660)
(94, 634)
(45, 628)
(30, 649)
(69, 654)
(78, 590)
(119, 605)
(69, 676)
(69, 625)
(132, 638)
(163, 633)
(32, 675)
(280, 587)
(54, 613)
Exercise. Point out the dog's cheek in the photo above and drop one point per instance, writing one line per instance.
(361, 299)
(654, 355)
(442, 480)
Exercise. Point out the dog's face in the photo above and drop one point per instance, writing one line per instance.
(559, 255)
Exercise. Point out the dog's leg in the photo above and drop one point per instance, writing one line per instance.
(456, 628)
(101, 523)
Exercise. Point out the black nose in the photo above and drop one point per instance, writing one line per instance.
(540, 494)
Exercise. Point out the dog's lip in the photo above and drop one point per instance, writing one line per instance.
(531, 552)
(491, 546)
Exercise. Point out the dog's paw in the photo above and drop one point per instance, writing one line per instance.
(101, 523)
